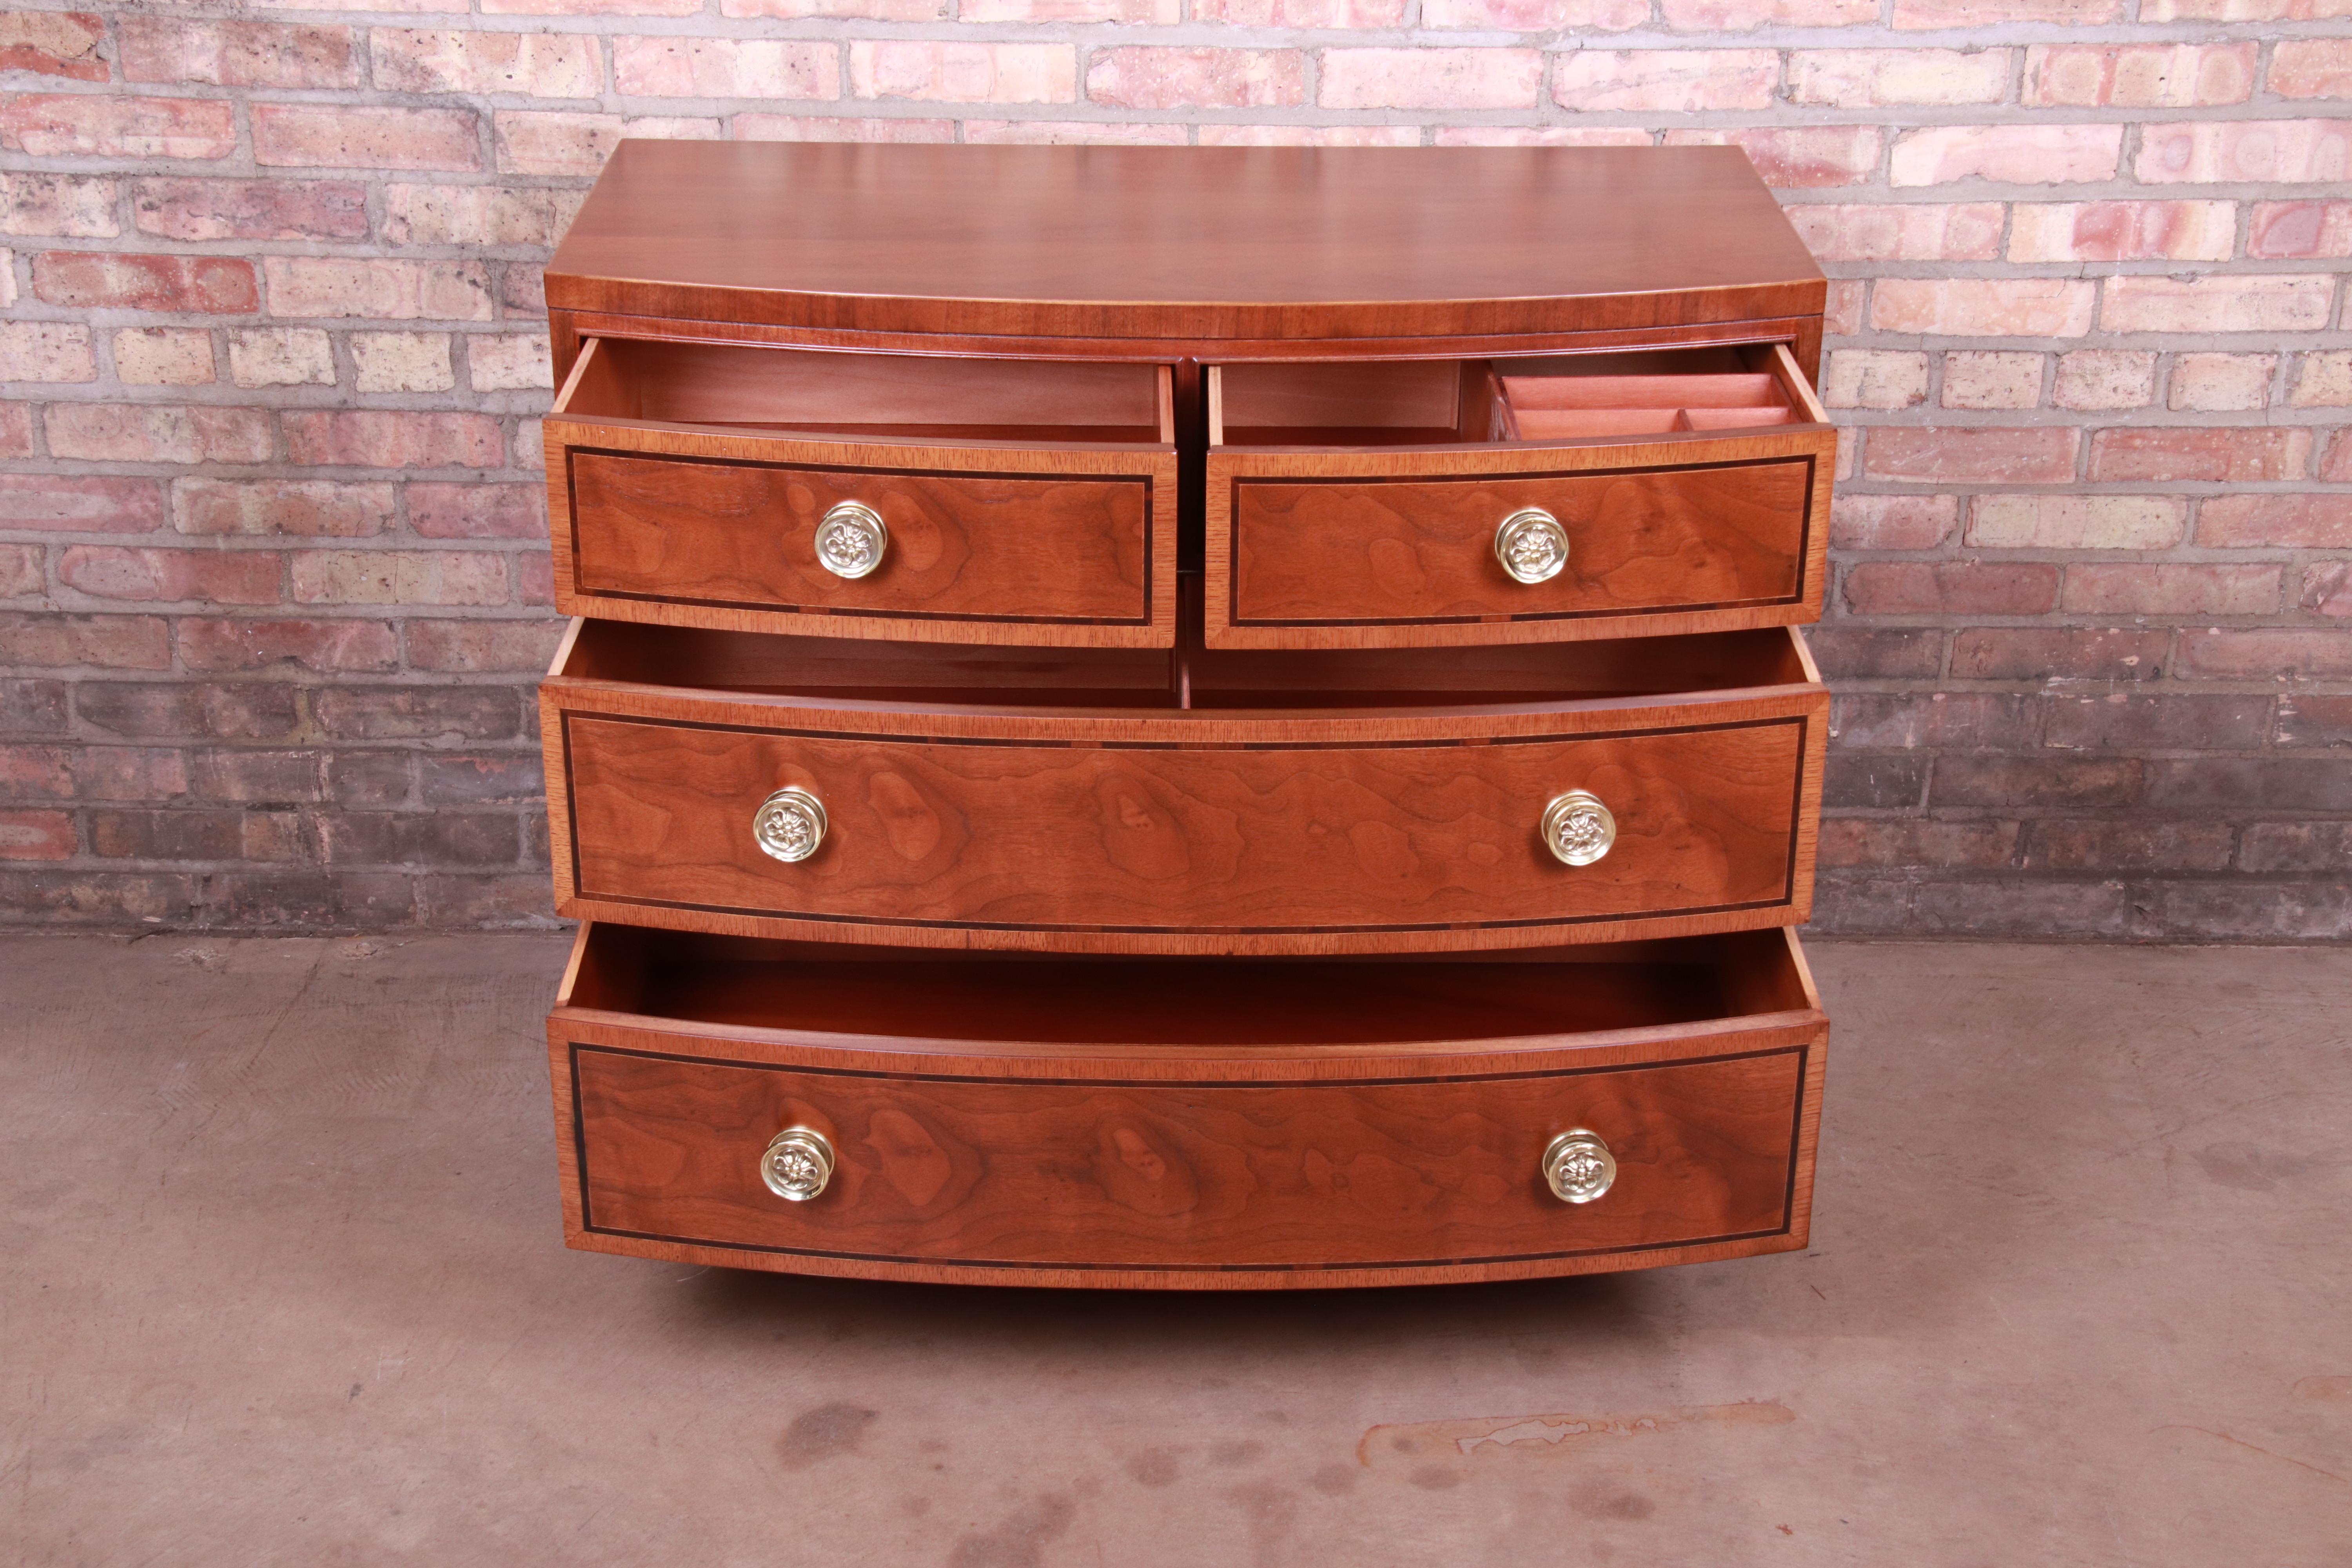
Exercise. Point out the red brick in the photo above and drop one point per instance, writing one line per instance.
(113, 641)
(55, 503)
(1431, 78)
(217, 285)
(154, 433)
(2266, 655)
(838, 128)
(2045, 522)
(1934, 14)
(1746, 15)
(47, 351)
(36, 835)
(2232, 454)
(865, 10)
(1445, 136)
(1874, 79)
(2137, 75)
(2276, 522)
(2231, 151)
(378, 287)
(220, 576)
(534, 578)
(768, 68)
(1536, 15)
(238, 54)
(1932, 720)
(1951, 587)
(1984, 307)
(20, 571)
(1892, 522)
(2008, 154)
(249, 209)
(1140, 77)
(1878, 841)
(53, 43)
(2230, 302)
(336, 136)
(219, 643)
(1798, 157)
(2336, 467)
(1161, 13)
(1670, 80)
(2327, 589)
(1901, 231)
(2221, 382)
(536, 141)
(1972, 454)
(602, 8)
(1300, 13)
(157, 711)
(1071, 133)
(2032, 653)
(2284, 230)
(16, 430)
(305, 509)
(2311, 68)
(523, 290)
(965, 72)
(477, 511)
(384, 438)
(475, 646)
(2122, 231)
(399, 577)
(67, 205)
(1875, 378)
(542, 65)
(2098, 844)
(109, 126)
(2172, 589)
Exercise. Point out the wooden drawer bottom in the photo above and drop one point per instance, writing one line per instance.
(1190, 1125)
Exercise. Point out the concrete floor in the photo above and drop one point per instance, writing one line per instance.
(284, 1285)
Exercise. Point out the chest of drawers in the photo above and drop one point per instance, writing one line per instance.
(1185, 717)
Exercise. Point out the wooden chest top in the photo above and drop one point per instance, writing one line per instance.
(1189, 243)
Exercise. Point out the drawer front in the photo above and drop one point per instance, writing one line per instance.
(1190, 1175)
(1276, 846)
(1003, 551)
(1397, 549)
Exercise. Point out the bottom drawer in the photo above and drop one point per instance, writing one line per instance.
(1190, 1124)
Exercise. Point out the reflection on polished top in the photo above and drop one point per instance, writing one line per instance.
(1191, 242)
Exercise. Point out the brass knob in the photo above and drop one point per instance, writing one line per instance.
(1577, 1166)
(1531, 545)
(1577, 828)
(790, 824)
(850, 540)
(797, 1164)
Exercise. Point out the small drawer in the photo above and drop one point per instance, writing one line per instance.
(866, 495)
(1203, 1124)
(1292, 802)
(1422, 503)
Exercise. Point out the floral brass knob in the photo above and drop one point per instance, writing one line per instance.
(1577, 828)
(790, 824)
(1531, 545)
(797, 1164)
(1577, 1166)
(850, 540)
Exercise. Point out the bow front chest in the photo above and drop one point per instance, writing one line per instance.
(1185, 717)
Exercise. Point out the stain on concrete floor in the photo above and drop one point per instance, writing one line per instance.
(285, 1285)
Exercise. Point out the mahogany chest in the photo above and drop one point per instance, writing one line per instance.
(1185, 717)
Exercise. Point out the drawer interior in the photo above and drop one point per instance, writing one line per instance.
(1188, 678)
(742, 386)
(745, 983)
(1567, 397)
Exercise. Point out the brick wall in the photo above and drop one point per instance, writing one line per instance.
(272, 588)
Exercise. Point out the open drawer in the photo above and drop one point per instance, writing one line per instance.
(1314, 802)
(1418, 503)
(900, 496)
(1203, 1124)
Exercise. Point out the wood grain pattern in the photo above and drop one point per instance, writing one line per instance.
(998, 1160)
(1390, 829)
(1209, 243)
(681, 524)
(1384, 546)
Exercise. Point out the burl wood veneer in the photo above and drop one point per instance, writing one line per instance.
(1185, 717)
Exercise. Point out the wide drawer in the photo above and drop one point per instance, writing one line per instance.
(1226, 816)
(1195, 1124)
(1434, 503)
(866, 495)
